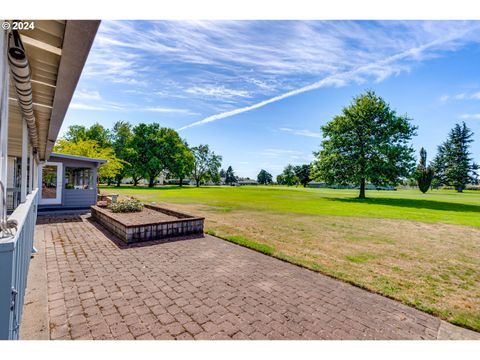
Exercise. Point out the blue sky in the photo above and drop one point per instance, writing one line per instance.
(258, 91)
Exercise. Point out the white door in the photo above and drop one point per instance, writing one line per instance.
(50, 183)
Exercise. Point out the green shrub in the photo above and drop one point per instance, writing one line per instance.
(126, 206)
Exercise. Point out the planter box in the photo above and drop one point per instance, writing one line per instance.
(138, 229)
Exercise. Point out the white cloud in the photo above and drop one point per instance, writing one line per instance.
(470, 116)
(217, 92)
(82, 106)
(285, 156)
(87, 95)
(170, 110)
(461, 96)
(92, 100)
(302, 132)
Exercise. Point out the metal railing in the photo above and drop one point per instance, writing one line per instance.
(15, 253)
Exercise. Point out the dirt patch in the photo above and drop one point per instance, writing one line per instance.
(146, 216)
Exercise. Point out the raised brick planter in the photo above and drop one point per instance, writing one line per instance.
(147, 231)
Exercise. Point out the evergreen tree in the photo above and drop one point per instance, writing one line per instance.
(424, 174)
(453, 164)
(230, 176)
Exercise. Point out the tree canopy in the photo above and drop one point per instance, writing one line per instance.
(264, 177)
(206, 164)
(157, 149)
(367, 142)
(230, 177)
(453, 164)
(90, 148)
(288, 176)
(303, 173)
(96, 132)
(424, 174)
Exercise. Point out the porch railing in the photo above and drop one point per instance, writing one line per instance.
(15, 253)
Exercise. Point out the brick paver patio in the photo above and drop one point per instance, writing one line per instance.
(203, 288)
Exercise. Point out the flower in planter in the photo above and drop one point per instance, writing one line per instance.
(126, 206)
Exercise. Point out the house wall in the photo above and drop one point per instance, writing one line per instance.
(75, 198)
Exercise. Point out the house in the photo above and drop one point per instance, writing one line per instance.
(39, 70)
(68, 182)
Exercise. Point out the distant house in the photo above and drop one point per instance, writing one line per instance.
(247, 182)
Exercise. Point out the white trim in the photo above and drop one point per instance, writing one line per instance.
(58, 198)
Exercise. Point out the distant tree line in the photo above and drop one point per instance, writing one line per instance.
(144, 151)
(367, 143)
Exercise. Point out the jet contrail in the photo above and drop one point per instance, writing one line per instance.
(331, 79)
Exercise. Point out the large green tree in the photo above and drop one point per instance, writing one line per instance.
(288, 176)
(424, 174)
(156, 150)
(206, 164)
(177, 156)
(303, 174)
(264, 177)
(90, 148)
(367, 142)
(454, 165)
(96, 132)
(121, 138)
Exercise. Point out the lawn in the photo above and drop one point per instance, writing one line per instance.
(422, 249)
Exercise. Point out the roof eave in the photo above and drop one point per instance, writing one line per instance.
(78, 39)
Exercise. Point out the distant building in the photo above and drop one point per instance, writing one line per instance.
(247, 182)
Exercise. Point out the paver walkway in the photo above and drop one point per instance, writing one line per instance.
(206, 288)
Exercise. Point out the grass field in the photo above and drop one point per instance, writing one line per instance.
(422, 249)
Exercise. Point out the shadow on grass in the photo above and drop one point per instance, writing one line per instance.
(413, 203)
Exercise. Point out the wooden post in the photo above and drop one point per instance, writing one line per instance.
(30, 172)
(35, 172)
(23, 184)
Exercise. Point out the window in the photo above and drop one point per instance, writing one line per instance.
(78, 178)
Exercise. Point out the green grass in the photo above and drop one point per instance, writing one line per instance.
(242, 241)
(435, 206)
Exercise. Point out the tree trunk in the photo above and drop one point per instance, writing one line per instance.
(181, 182)
(109, 181)
(362, 189)
(198, 182)
(135, 181)
(119, 181)
(151, 182)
